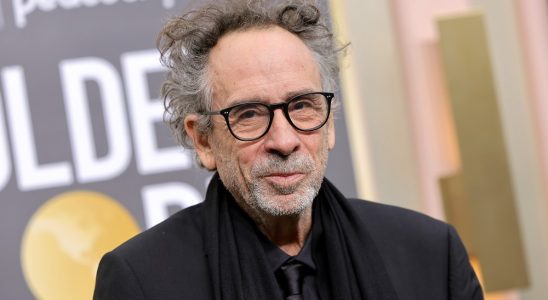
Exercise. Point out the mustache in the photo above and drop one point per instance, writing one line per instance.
(294, 163)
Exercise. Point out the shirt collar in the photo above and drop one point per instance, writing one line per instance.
(276, 257)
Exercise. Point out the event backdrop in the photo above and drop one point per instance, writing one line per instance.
(85, 160)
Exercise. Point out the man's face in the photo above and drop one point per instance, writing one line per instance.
(280, 173)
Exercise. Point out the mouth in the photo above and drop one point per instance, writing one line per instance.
(284, 179)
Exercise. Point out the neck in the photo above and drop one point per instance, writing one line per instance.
(289, 233)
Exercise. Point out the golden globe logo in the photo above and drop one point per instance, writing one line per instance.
(65, 240)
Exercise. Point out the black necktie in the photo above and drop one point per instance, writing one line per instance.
(291, 276)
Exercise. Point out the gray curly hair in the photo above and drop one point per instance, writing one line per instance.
(186, 41)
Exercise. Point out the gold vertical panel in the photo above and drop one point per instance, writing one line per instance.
(457, 208)
(486, 177)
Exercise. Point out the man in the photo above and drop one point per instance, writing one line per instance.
(250, 89)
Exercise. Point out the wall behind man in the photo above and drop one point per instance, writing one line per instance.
(395, 67)
(85, 161)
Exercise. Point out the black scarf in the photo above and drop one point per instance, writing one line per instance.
(348, 261)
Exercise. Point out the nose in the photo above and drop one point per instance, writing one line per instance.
(282, 138)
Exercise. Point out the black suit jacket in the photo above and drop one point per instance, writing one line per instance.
(424, 258)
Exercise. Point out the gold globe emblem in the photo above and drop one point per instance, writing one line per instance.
(65, 240)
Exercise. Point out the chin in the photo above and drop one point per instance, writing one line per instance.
(284, 205)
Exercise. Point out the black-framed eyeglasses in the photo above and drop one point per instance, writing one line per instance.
(252, 120)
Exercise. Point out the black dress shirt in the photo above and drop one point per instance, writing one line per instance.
(276, 257)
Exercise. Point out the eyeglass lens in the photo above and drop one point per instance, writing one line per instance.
(251, 120)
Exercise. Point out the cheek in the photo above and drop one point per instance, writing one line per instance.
(317, 144)
(245, 157)
(222, 149)
(233, 158)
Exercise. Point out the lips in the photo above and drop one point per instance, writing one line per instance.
(284, 174)
(284, 178)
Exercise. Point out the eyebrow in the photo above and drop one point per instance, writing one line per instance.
(287, 96)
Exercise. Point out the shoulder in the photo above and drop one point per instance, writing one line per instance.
(165, 260)
(407, 240)
(179, 232)
(420, 253)
(392, 219)
(404, 233)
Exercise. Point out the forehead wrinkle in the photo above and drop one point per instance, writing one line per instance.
(268, 99)
(238, 66)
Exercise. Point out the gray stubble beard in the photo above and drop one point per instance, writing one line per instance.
(306, 190)
(257, 197)
(263, 195)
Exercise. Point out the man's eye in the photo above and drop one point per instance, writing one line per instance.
(248, 114)
(301, 104)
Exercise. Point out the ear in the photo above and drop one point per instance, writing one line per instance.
(331, 133)
(200, 142)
